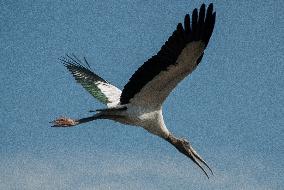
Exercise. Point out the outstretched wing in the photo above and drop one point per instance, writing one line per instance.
(155, 79)
(94, 84)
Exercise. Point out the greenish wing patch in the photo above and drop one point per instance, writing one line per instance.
(88, 79)
(93, 89)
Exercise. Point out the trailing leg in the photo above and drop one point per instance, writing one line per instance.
(68, 122)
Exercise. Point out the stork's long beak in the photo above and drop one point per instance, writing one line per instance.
(184, 147)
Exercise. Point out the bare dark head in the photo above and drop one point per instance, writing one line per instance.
(184, 147)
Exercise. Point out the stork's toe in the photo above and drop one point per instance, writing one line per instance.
(64, 122)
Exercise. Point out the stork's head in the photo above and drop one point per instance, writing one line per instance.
(184, 147)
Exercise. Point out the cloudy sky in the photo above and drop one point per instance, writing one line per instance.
(231, 108)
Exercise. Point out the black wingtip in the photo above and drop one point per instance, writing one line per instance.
(214, 16)
(71, 60)
(201, 13)
(179, 27)
(195, 12)
(210, 6)
(187, 23)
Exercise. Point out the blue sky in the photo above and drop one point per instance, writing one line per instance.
(230, 108)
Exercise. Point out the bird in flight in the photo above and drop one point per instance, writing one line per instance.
(140, 101)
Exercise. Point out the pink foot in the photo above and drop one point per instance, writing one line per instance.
(64, 122)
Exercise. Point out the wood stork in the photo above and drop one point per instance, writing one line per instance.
(140, 101)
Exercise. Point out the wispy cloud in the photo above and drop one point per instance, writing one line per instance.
(88, 172)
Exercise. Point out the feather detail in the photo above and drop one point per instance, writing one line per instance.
(94, 84)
